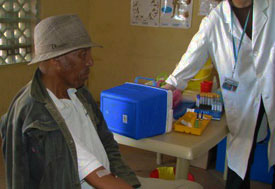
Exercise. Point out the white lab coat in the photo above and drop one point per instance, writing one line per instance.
(255, 73)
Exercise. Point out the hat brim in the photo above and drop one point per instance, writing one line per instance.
(47, 56)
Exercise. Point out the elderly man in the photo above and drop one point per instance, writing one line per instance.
(54, 136)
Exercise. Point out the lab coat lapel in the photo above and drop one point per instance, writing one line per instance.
(259, 19)
(226, 11)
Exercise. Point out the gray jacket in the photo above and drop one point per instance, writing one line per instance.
(39, 151)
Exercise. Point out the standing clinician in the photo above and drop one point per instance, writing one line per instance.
(239, 37)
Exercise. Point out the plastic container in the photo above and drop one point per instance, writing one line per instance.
(197, 126)
(137, 111)
(206, 86)
(204, 74)
(167, 173)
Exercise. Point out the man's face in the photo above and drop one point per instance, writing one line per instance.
(75, 67)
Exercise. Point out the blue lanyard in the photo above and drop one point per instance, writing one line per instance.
(236, 51)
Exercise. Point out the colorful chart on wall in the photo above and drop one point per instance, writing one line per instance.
(162, 13)
(145, 12)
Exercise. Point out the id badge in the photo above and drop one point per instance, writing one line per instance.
(230, 84)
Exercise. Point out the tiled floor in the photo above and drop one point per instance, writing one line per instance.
(143, 162)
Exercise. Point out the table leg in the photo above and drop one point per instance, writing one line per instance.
(182, 168)
(225, 169)
(158, 158)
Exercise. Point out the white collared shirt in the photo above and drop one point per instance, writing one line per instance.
(90, 151)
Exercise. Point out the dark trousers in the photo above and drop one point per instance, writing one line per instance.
(234, 181)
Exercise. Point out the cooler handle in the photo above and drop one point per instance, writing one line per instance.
(146, 78)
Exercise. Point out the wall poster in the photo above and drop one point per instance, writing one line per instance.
(162, 13)
(145, 12)
(176, 13)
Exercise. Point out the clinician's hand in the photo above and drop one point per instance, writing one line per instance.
(106, 182)
(169, 87)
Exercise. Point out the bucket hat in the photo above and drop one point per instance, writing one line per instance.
(58, 35)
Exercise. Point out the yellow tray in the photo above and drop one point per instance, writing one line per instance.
(191, 118)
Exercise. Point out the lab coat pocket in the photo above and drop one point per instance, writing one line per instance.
(229, 100)
(231, 107)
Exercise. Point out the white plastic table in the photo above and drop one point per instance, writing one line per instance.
(184, 146)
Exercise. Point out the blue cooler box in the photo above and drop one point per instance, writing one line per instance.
(136, 110)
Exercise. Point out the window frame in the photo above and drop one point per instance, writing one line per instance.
(17, 21)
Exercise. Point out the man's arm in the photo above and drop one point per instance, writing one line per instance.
(117, 165)
(101, 178)
(15, 157)
(93, 172)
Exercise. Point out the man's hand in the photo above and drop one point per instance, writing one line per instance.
(109, 181)
(169, 87)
